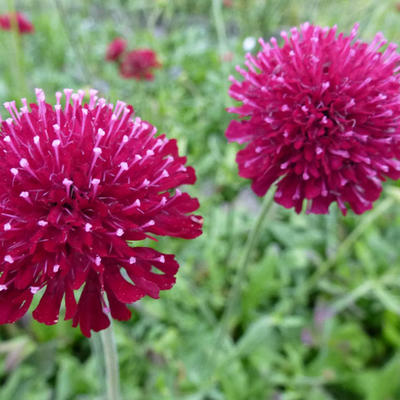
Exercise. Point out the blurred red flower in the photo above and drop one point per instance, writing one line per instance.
(24, 26)
(76, 183)
(320, 116)
(139, 64)
(115, 49)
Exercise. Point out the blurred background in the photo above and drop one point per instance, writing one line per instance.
(319, 315)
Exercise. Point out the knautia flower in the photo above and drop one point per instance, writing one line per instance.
(115, 49)
(139, 64)
(23, 24)
(78, 182)
(320, 116)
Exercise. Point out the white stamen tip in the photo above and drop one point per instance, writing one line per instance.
(3, 287)
(36, 139)
(95, 181)
(24, 195)
(97, 150)
(42, 222)
(56, 267)
(124, 166)
(56, 143)
(67, 182)
(8, 259)
(88, 227)
(100, 132)
(132, 260)
(119, 232)
(98, 260)
(34, 289)
(23, 162)
(14, 171)
(7, 226)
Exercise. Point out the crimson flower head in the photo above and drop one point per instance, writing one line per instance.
(79, 184)
(320, 116)
(115, 49)
(139, 64)
(24, 26)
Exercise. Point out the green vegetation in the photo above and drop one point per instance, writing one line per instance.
(319, 315)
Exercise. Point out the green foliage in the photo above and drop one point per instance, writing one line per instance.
(298, 334)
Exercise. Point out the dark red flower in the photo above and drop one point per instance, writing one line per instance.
(76, 183)
(139, 64)
(228, 3)
(115, 49)
(321, 118)
(24, 26)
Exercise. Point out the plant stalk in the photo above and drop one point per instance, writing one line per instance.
(110, 364)
(18, 70)
(251, 242)
(237, 285)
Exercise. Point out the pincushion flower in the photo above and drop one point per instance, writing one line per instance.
(139, 64)
(320, 117)
(77, 181)
(23, 24)
(115, 49)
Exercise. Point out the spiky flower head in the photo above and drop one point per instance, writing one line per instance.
(115, 49)
(22, 23)
(139, 64)
(320, 116)
(78, 182)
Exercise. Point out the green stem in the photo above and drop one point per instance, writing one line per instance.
(252, 240)
(111, 363)
(221, 33)
(236, 289)
(219, 25)
(19, 62)
(75, 42)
